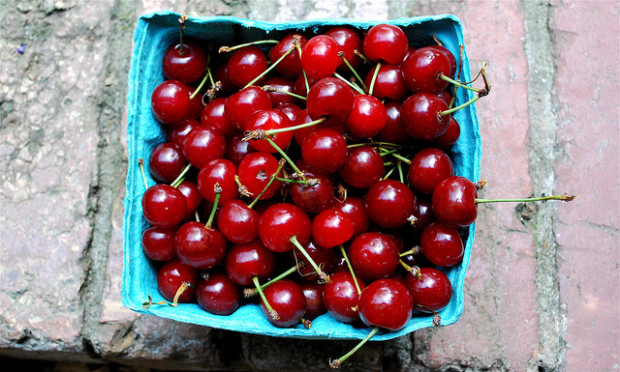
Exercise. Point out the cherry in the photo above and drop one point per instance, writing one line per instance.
(441, 244)
(195, 103)
(255, 171)
(324, 150)
(302, 134)
(279, 223)
(158, 243)
(287, 300)
(220, 73)
(237, 148)
(238, 222)
(422, 116)
(431, 291)
(277, 87)
(429, 167)
(290, 110)
(450, 57)
(331, 228)
(241, 105)
(313, 293)
(245, 64)
(341, 297)
(268, 120)
(170, 102)
(315, 196)
(291, 64)
(166, 162)
(386, 303)
(186, 64)
(446, 96)
(218, 295)
(200, 246)
(171, 277)
(319, 58)
(326, 258)
(163, 205)
(389, 82)
(390, 204)
(367, 118)
(249, 260)
(450, 136)
(423, 69)
(387, 43)
(454, 201)
(222, 172)
(393, 131)
(423, 213)
(330, 98)
(373, 256)
(190, 191)
(363, 167)
(355, 209)
(300, 87)
(349, 41)
(178, 133)
(203, 145)
(214, 116)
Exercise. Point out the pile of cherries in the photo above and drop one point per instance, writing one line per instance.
(295, 182)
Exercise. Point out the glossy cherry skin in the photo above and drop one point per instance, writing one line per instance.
(355, 209)
(237, 222)
(245, 261)
(158, 243)
(163, 205)
(445, 95)
(331, 228)
(214, 116)
(454, 201)
(450, 56)
(319, 57)
(172, 275)
(266, 120)
(330, 98)
(324, 150)
(349, 41)
(432, 292)
(386, 43)
(393, 131)
(423, 213)
(441, 244)
(291, 64)
(187, 66)
(450, 136)
(389, 82)
(290, 110)
(363, 167)
(387, 304)
(199, 246)
(221, 172)
(422, 69)
(390, 204)
(190, 191)
(301, 135)
(255, 171)
(367, 118)
(429, 167)
(166, 162)
(313, 293)
(170, 102)
(241, 105)
(373, 256)
(237, 149)
(421, 116)
(245, 64)
(283, 84)
(287, 299)
(326, 258)
(218, 294)
(279, 223)
(316, 197)
(195, 104)
(220, 73)
(178, 133)
(300, 85)
(203, 145)
(340, 297)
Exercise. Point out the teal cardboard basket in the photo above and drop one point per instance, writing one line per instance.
(153, 34)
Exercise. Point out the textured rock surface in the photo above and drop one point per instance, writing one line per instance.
(541, 291)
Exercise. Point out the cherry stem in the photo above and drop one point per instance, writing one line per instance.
(401, 158)
(437, 40)
(224, 49)
(458, 77)
(272, 313)
(249, 292)
(389, 144)
(141, 164)
(269, 88)
(459, 84)
(273, 65)
(387, 163)
(288, 160)
(294, 128)
(346, 258)
(374, 78)
(415, 271)
(386, 153)
(388, 174)
(271, 179)
(182, 20)
(414, 250)
(306, 322)
(291, 181)
(202, 83)
(196, 216)
(359, 54)
(454, 109)
(564, 197)
(177, 181)
(218, 192)
(335, 364)
(175, 300)
(341, 55)
(400, 172)
(322, 275)
(353, 86)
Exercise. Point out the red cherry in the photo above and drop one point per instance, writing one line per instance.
(187, 65)
(422, 70)
(203, 145)
(390, 204)
(163, 205)
(255, 171)
(245, 64)
(442, 244)
(241, 105)
(291, 64)
(331, 228)
(386, 303)
(300, 85)
(266, 120)
(324, 150)
(454, 201)
(287, 300)
(237, 149)
(363, 167)
(319, 57)
(450, 56)
(190, 191)
(218, 294)
(158, 243)
(445, 95)
(332, 99)
(367, 118)
(349, 41)
(166, 162)
(279, 223)
(214, 116)
(178, 133)
(325, 258)
(282, 84)
(314, 197)
(393, 131)
(341, 298)
(355, 209)
(220, 73)
(422, 117)
(431, 292)
(172, 275)
(389, 82)
(429, 167)
(238, 222)
(222, 172)
(245, 261)
(423, 213)
(290, 110)
(450, 136)
(195, 104)
(200, 246)
(170, 102)
(313, 293)
(387, 43)
(373, 256)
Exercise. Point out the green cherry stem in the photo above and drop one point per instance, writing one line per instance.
(272, 313)
(353, 86)
(359, 54)
(288, 160)
(565, 198)
(388, 174)
(341, 55)
(273, 65)
(141, 164)
(218, 191)
(400, 172)
(459, 84)
(181, 176)
(335, 364)
(322, 275)
(271, 179)
(269, 88)
(374, 78)
(346, 259)
(225, 49)
(182, 20)
(202, 83)
(387, 144)
(401, 158)
(249, 292)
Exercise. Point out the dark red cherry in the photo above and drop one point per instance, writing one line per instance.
(331, 228)
(373, 256)
(450, 56)
(186, 65)
(218, 294)
(325, 258)
(266, 120)
(291, 64)
(349, 41)
(241, 105)
(423, 213)
(279, 223)
(454, 201)
(324, 150)
(170, 102)
(287, 300)
(166, 162)
(302, 134)
(245, 64)
(178, 133)
(199, 246)
(363, 167)
(332, 99)
(237, 222)
(340, 296)
(314, 197)
(221, 172)
(387, 304)
(300, 85)
(431, 292)
(422, 70)
(255, 171)
(445, 95)
(441, 244)
(163, 205)
(393, 131)
(450, 136)
(237, 149)
(367, 118)
(193, 198)
(195, 104)
(220, 73)
(319, 58)
(422, 117)
(203, 145)
(390, 204)
(290, 110)
(172, 275)
(282, 84)
(386, 43)
(245, 261)
(355, 209)
(313, 292)
(158, 243)
(429, 167)
(389, 82)
(214, 116)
